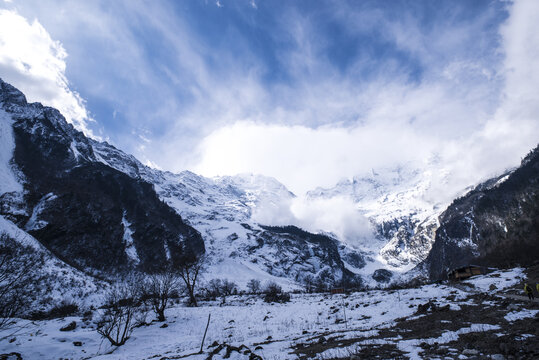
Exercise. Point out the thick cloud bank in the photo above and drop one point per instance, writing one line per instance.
(33, 62)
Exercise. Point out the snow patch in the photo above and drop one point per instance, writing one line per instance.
(34, 223)
(130, 249)
(519, 315)
(8, 180)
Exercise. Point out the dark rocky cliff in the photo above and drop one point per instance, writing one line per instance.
(496, 224)
(84, 211)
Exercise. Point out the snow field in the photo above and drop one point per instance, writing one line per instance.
(243, 320)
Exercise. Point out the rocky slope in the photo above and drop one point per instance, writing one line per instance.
(496, 224)
(78, 207)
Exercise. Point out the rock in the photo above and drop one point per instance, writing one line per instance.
(513, 307)
(322, 340)
(214, 344)
(470, 352)
(497, 357)
(492, 287)
(69, 327)
(382, 275)
(423, 308)
(11, 356)
(77, 343)
(443, 308)
(164, 326)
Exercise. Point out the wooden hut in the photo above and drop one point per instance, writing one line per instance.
(465, 272)
(337, 291)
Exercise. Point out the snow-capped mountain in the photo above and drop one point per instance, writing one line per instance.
(82, 198)
(496, 224)
(398, 205)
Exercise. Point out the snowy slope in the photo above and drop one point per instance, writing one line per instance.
(54, 280)
(401, 211)
(312, 326)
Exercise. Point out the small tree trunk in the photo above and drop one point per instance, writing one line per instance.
(161, 315)
(192, 298)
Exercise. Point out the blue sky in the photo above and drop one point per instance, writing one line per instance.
(305, 91)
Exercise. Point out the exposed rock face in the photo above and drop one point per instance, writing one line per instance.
(313, 254)
(87, 213)
(382, 275)
(496, 224)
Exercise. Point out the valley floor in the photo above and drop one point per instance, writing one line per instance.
(479, 318)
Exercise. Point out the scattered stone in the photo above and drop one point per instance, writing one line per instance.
(77, 343)
(69, 327)
(470, 352)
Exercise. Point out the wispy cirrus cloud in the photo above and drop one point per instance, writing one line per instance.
(305, 92)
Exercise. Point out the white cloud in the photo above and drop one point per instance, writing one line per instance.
(33, 62)
(322, 125)
(338, 215)
(480, 120)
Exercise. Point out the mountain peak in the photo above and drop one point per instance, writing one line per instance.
(11, 95)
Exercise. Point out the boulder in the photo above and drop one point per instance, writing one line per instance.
(69, 327)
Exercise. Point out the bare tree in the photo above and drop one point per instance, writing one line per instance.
(189, 271)
(253, 286)
(229, 287)
(121, 314)
(16, 262)
(159, 288)
(213, 288)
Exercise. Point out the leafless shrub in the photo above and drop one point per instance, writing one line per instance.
(121, 313)
(253, 286)
(189, 271)
(158, 290)
(274, 293)
(221, 287)
(16, 261)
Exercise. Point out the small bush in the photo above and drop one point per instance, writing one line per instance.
(64, 309)
(253, 286)
(274, 293)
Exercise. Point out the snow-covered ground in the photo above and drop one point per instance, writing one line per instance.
(277, 331)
